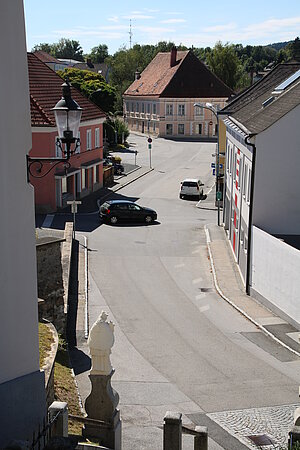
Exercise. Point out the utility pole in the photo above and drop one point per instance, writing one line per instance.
(130, 34)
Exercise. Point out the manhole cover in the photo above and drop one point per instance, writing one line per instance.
(261, 440)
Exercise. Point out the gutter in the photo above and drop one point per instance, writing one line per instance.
(247, 141)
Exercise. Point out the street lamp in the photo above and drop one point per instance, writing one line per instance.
(67, 115)
(211, 108)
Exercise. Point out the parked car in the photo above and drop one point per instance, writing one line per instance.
(114, 211)
(191, 187)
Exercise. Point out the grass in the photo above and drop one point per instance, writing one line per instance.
(65, 389)
(45, 341)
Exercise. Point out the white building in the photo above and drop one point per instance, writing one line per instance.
(22, 389)
(262, 169)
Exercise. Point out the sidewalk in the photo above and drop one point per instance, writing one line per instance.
(229, 285)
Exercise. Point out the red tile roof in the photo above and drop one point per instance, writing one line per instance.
(45, 91)
(188, 78)
(45, 57)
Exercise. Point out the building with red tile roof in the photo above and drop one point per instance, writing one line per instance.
(161, 99)
(86, 172)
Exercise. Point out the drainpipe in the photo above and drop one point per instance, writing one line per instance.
(249, 136)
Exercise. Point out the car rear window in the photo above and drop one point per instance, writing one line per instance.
(190, 184)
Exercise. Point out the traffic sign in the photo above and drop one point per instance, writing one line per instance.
(213, 165)
(149, 140)
(214, 171)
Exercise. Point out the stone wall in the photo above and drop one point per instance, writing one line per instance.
(50, 281)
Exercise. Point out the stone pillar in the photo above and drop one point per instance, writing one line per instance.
(201, 440)
(101, 404)
(60, 426)
(172, 431)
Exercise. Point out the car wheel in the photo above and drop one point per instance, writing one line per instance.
(148, 219)
(113, 220)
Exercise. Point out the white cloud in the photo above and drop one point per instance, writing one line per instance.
(138, 16)
(216, 28)
(173, 21)
(113, 19)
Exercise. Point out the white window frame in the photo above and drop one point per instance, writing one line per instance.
(181, 126)
(181, 109)
(97, 137)
(169, 109)
(88, 139)
(199, 111)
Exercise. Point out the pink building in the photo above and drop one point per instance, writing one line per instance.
(161, 99)
(86, 172)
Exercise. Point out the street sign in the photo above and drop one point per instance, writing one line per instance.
(149, 140)
(214, 172)
(74, 204)
(213, 165)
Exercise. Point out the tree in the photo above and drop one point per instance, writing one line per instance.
(99, 53)
(224, 62)
(93, 86)
(294, 49)
(68, 49)
(44, 47)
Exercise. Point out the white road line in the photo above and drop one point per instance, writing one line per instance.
(178, 266)
(48, 220)
(197, 280)
(204, 308)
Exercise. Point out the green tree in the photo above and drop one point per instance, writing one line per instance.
(294, 49)
(68, 49)
(44, 47)
(93, 86)
(99, 53)
(224, 62)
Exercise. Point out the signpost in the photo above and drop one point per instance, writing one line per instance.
(74, 204)
(149, 146)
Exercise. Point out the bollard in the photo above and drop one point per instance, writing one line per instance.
(201, 440)
(172, 431)
(60, 426)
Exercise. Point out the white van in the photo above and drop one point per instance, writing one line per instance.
(191, 187)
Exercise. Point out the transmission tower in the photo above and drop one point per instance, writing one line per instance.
(130, 34)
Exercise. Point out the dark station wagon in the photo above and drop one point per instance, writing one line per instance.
(114, 211)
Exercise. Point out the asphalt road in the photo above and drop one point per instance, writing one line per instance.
(186, 346)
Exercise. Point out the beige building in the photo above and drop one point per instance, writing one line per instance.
(161, 99)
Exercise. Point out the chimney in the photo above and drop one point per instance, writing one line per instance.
(137, 75)
(89, 63)
(173, 56)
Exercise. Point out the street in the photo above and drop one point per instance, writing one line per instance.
(178, 345)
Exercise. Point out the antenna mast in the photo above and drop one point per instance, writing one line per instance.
(130, 34)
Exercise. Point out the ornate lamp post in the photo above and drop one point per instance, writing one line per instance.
(67, 114)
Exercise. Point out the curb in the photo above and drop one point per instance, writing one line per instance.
(241, 311)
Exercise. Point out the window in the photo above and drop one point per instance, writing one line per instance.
(83, 180)
(199, 111)
(97, 138)
(148, 108)
(169, 109)
(199, 128)
(169, 128)
(143, 107)
(58, 153)
(245, 180)
(127, 106)
(154, 126)
(181, 128)
(181, 110)
(154, 108)
(88, 139)
(79, 143)
(249, 187)
(137, 107)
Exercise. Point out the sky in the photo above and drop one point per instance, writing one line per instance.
(191, 22)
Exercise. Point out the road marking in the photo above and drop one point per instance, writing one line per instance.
(178, 266)
(204, 308)
(197, 280)
(196, 251)
(200, 296)
(48, 220)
